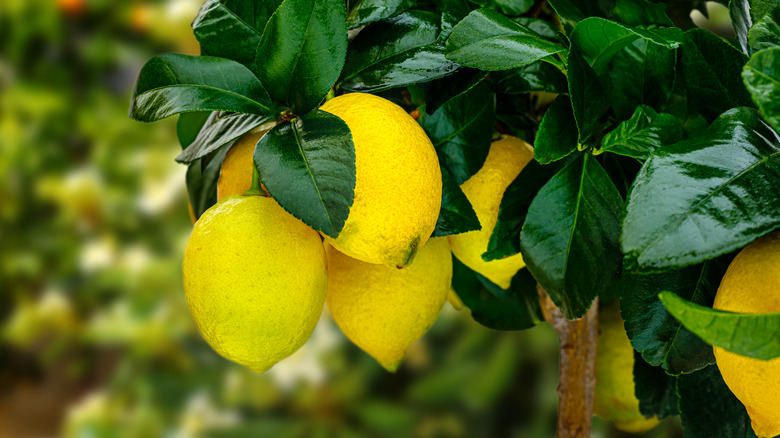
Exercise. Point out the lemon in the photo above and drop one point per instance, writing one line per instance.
(235, 176)
(455, 300)
(385, 310)
(255, 280)
(752, 285)
(485, 189)
(614, 398)
(397, 182)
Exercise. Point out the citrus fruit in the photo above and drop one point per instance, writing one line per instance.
(397, 182)
(235, 176)
(255, 280)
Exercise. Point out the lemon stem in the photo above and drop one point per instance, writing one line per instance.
(255, 189)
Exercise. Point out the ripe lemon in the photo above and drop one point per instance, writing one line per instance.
(385, 310)
(235, 176)
(255, 279)
(614, 398)
(752, 285)
(397, 182)
(485, 189)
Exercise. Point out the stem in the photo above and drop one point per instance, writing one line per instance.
(254, 189)
(577, 377)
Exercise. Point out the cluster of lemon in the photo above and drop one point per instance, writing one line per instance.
(256, 278)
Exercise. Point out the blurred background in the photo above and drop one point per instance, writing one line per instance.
(95, 336)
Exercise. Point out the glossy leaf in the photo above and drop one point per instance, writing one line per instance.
(557, 134)
(363, 12)
(539, 76)
(744, 14)
(762, 79)
(643, 133)
(487, 40)
(308, 166)
(573, 11)
(401, 51)
(171, 83)
(221, 129)
(570, 237)
(655, 390)
(724, 183)
(189, 124)
(765, 34)
(452, 11)
(456, 215)
(461, 130)
(440, 91)
(542, 27)
(752, 335)
(302, 52)
(588, 99)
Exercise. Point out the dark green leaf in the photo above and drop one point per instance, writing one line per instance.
(514, 7)
(570, 237)
(221, 129)
(171, 83)
(440, 91)
(452, 11)
(302, 52)
(487, 40)
(505, 240)
(765, 34)
(762, 78)
(456, 215)
(401, 51)
(752, 335)
(543, 27)
(653, 331)
(557, 135)
(201, 179)
(641, 13)
(539, 76)
(573, 11)
(711, 67)
(643, 133)
(188, 126)
(588, 99)
(368, 11)
(655, 390)
(705, 196)
(308, 166)
(744, 13)
(708, 409)
(461, 130)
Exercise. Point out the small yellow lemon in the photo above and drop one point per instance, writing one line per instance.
(235, 176)
(485, 189)
(255, 279)
(397, 182)
(614, 398)
(385, 310)
(752, 285)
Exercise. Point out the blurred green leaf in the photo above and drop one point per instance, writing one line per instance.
(456, 215)
(655, 390)
(557, 134)
(221, 129)
(643, 133)
(761, 76)
(363, 12)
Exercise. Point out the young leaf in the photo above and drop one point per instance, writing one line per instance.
(308, 166)
(643, 133)
(557, 134)
(461, 130)
(171, 83)
(752, 335)
(704, 196)
(189, 125)
(363, 12)
(456, 215)
(765, 34)
(588, 99)
(487, 40)
(655, 390)
(221, 129)
(762, 79)
(302, 51)
(401, 51)
(539, 76)
(570, 237)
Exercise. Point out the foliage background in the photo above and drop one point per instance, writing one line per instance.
(95, 336)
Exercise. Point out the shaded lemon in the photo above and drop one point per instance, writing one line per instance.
(235, 175)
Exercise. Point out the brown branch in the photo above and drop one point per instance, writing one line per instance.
(578, 340)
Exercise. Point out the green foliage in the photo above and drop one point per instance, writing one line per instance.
(457, 215)
(762, 78)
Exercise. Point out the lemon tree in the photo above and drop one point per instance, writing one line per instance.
(656, 158)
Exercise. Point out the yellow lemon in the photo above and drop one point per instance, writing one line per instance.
(485, 189)
(397, 182)
(614, 398)
(455, 300)
(385, 310)
(235, 176)
(255, 279)
(752, 285)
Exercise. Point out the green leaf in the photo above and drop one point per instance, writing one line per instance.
(452, 11)
(643, 133)
(232, 28)
(573, 11)
(653, 331)
(762, 79)
(514, 7)
(708, 409)
(588, 99)
(363, 12)
(302, 52)
(308, 166)
(711, 67)
(171, 83)
(570, 237)
(751, 335)
(539, 76)
(765, 34)
(542, 27)
(398, 52)
(461, 130)
(201, 179)
(221, 129)
(188, 126)
(704, 196)
(456, 215)
(744, 13)
(557, 135)
(440, 91)
(487, 40)
(641, 13)
(655, 390)
(505, 239)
